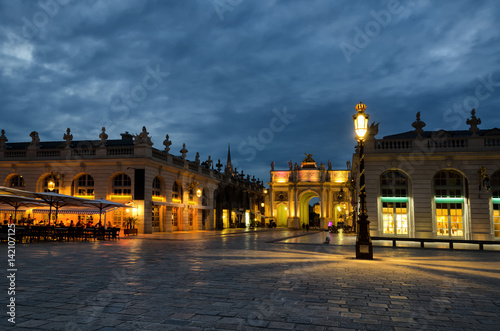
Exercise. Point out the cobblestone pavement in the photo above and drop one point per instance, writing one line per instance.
(235, 280)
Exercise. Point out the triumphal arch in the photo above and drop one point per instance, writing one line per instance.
(291, 190)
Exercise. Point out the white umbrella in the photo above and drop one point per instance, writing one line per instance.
(57, 200)
(16, 201)
(103, 204)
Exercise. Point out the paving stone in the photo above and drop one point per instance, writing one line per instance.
(220, 282)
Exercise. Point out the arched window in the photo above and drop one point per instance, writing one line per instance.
(449, 193)
(177, 192)
(157, 187)
(17, 182)
(84, 186)
(394, 197)
(495, 197)
(122, 185)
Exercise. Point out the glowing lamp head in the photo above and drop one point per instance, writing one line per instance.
(51, 185)
(262, 204)
(198, 193)
(360, 121)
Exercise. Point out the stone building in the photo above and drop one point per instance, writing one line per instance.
(165, 192)
(291, 190)
(434, 184)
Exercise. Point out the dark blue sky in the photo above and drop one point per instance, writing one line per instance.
(275, 79)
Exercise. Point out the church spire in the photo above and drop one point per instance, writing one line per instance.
(229, 167)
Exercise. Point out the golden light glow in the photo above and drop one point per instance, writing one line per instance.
(280, 176)
(157, 198)
(262, 204)
(198, 193)
(84, 196)
(176, 200)
(265, 191)
(51, 185)
(191, 202)
(361, 121)
(121, 196)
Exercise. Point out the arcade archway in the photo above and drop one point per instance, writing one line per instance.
(304, 206)
(290, 193)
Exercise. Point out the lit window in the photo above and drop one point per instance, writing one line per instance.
(495, 195)
(449, 188)
(394, 195)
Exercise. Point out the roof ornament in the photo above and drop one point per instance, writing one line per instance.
(68, 137)
(418, 125)
(167, 142)
(3, 140)
(184, 151)
(218, 166)
(103, 136)
(473, 122)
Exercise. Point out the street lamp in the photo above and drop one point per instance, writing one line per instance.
(51, 185)
(364, 247)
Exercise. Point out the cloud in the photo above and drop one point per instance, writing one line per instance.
(226, 76)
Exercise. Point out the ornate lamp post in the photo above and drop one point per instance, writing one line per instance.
(364, 247)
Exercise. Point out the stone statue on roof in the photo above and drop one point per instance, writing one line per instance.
(308, 158)
(143, 138)
(35, 140)
(103, 136)
(3, 140)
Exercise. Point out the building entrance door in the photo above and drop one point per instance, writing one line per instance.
(175, 218)
(155, 218)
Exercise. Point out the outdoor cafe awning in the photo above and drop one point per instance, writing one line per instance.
(77, 211)
(59, 202)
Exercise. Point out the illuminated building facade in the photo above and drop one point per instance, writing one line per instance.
(291, 190)
(165, 192)
(434, 184)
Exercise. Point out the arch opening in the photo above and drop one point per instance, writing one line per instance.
(305, 202)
